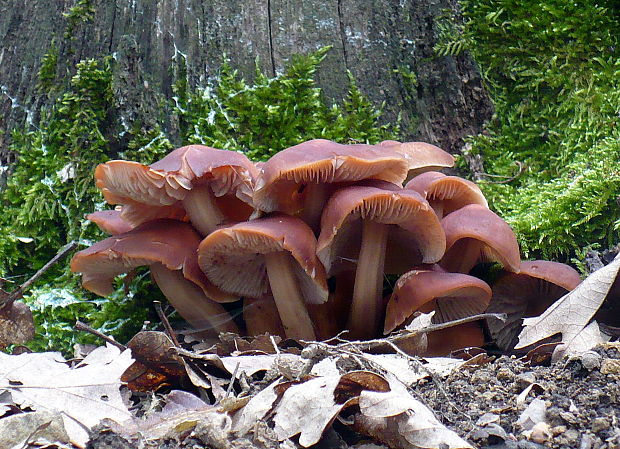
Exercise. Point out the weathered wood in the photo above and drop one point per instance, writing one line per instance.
(379, 41)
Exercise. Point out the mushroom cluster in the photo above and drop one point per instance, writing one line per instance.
(302, 242)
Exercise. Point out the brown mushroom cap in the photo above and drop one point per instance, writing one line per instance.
(528, 293)
(422, 156)
(233, 256)
(416, 238)
(446, 193)
(369, 224)
(169, 242)
(450, 295)
(476, 234)
(169, 247)
(110, 221)
(321, 161)
(157, 190)
(275, 253)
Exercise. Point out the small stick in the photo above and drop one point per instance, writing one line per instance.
(16, 294)
(166, 323)
(79, 326)
(232, 380)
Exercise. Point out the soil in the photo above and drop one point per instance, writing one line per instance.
(582, 399)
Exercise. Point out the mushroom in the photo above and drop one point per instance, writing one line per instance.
(277, 253)
(528, 293)
(366, 223)
(261, 316)
(210, 186)
(475, 234)
(110, 221)
(299, 179)
(168, 247)
(422, 156)
(451, 296)
(446, 194)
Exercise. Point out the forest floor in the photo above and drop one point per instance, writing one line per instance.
(501, 403)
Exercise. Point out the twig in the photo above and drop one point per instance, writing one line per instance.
(166, 323)
(16, 294)
(392, 339)
(507, 179)
(79, 326)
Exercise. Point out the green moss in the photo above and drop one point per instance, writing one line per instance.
(553, 70)
(83, 11)
(47, 71)
(271, 114)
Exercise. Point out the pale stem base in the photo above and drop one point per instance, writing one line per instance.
(291, 305)
(190, 301)
(365, 313)
(202, 210)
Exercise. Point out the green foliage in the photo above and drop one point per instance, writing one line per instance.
(83, 11)
(553, 69)
(271, 114)
(51, 186)
(49, 66)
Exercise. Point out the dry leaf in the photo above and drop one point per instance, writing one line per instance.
(398, 419)
(84, 395)
(570, 314)
(18, 430)
(155, 364)
(533, 414)
(255, 410)
(16, 324)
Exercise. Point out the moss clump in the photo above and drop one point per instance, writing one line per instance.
(553, 69)
(271, 114)
(51, 187)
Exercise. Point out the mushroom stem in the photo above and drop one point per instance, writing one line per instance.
(364, 315)
(261, 316)
(437, 207)
(190, 301)
(202, 210)
(316, 195)
(289, 301)
(462, 256)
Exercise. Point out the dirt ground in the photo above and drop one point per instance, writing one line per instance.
(581, 397)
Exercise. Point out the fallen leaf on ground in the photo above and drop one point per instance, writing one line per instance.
(400, 420)
(27, 429)
(308, 408)
(16, 324)
(570, 314)
(84, 395)
(155, 364)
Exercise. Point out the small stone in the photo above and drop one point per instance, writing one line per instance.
(558, 430)
(480, 377)
(572, 437)
(526, 379)
(540, 433)
(569, 417)
(599, 424)
(610, 366)
(591, 360)
(505, 374)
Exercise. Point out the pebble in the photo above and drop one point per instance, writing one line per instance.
(526, 379)
(599, 424)
(591, 360)
(610, 366)
(505, 374)
(572, 437)
(540, 433)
